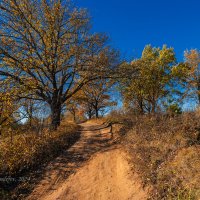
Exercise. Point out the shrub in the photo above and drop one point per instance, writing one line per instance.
(30, 151)
(166, 153)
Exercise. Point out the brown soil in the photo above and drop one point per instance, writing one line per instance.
(95, 168)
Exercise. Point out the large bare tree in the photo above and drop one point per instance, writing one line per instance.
(47, 47)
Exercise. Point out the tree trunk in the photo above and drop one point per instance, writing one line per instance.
(30, 121)
(153, 111)
(55, 116)
(90, 114)
(30, 115)
(74, 116)
(97, 113)
(96, 109)
(141, 108)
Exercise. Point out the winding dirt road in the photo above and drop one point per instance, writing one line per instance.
(93, 169)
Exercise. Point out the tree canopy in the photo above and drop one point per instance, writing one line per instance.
(46, 47)
(150, 80)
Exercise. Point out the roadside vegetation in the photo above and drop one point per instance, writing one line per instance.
(165, 152)
(28, 152)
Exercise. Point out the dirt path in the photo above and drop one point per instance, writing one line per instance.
(93, 169)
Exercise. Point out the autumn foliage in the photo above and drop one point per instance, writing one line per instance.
(54, 68)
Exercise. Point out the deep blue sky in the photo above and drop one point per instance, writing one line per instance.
(132, 24)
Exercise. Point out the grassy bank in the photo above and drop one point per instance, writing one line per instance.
(31, 151)
(165, 151)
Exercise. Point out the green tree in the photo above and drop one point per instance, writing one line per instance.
(151, 79)
(188, 74)
(192, 73)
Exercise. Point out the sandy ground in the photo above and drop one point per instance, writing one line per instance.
(93, 169)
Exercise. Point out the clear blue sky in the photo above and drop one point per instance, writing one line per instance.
(132, 24)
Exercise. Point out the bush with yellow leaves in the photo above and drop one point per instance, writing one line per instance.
(28, 150)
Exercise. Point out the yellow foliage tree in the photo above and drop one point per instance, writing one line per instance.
(9, 104)
(47, 47)
(192, 72)
(148, 78)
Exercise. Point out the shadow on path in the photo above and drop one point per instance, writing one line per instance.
(94, 138)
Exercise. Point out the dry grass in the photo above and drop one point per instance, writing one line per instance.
(97, 121)
(166, 153)
(30, 151)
